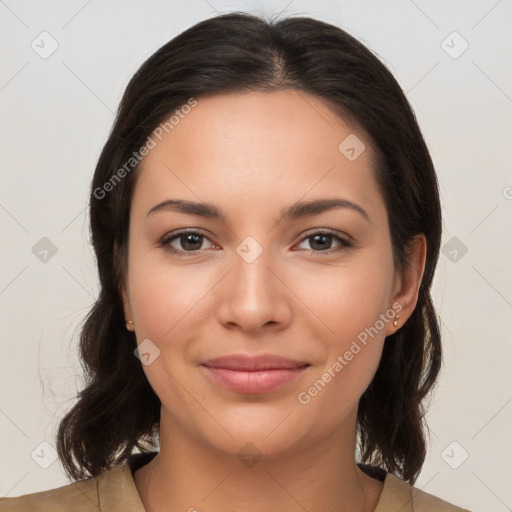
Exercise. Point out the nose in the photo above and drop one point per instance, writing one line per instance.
(253, 295)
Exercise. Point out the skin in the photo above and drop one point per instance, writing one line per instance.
(253, 155)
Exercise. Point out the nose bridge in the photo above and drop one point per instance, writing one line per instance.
(252, 277)
(252, 296)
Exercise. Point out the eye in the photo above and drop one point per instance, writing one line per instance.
(190, 242)
(322, 239)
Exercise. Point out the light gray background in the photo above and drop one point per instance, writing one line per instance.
(57, 111)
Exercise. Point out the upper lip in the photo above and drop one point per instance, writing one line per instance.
(254, 363)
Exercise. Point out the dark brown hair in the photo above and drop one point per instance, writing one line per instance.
(118, 410)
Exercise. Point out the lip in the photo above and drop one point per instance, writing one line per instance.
(243, 362)
(254, 374)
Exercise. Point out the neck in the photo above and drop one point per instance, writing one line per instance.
(188, 475)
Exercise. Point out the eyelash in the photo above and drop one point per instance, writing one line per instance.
(165, 242)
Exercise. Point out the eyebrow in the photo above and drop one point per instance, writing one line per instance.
(297, 210)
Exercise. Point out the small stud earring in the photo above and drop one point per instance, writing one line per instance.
(395, 321)
(130, 325)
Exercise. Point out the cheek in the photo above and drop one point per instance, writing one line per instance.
(352, 303)
(350, 299)
(163, 296)
(164, 300)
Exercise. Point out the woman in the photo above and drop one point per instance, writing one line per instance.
(266, 220)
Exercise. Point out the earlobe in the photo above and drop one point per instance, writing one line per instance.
(130, 326)
(407, 285)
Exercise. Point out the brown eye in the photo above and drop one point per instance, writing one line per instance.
(183, 242)
(321, 241)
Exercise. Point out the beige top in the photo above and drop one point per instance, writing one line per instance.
(114, 491)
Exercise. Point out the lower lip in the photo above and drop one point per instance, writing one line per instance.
(262, 381)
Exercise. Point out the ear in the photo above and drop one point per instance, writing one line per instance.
(124, 285)
(128, 315)
(406, 287)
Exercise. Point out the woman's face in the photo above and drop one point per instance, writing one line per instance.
(253, 278)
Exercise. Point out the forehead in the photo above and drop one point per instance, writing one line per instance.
(262, 145)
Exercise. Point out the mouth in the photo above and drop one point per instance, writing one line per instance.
(254, 374)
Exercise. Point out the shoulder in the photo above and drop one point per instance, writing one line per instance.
(80, 496)
(87, 495)
(398, 493)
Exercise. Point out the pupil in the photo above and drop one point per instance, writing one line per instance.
(193, 238)
(322, 237)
